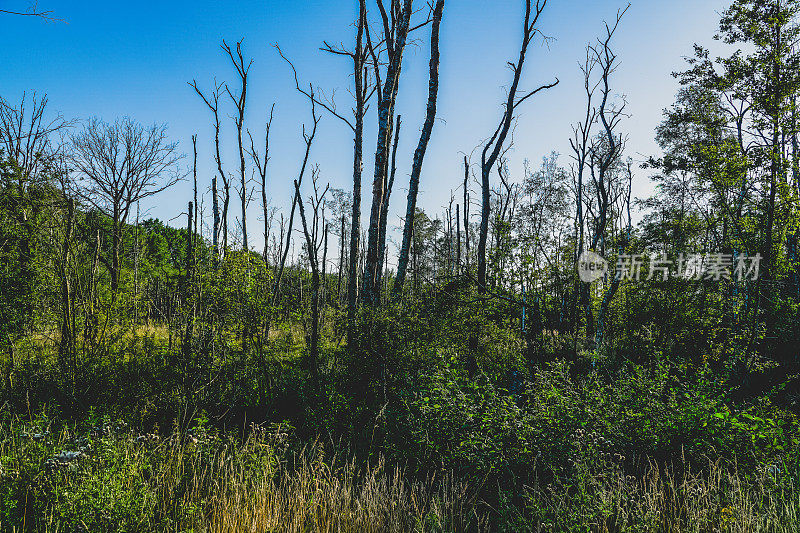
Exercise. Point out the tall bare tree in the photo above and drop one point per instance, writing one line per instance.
(261, 167)
(395, 34)
(308, 138)
(419, 154)
(604, 156)
(194, 183)
(466, 214)
(120, 164)
(580, 143)
(362, 92)
(493, 148)
(240, 101)
(212, 102)
(25, 136)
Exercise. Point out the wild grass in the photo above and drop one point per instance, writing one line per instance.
(197, 480)
(668, 500)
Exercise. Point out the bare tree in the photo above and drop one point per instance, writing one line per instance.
(261, 167)
(494, 146)
(601, 155)
(212, 102)
(120, 164)
(309, 140)
(395, 34)
(581, 143)
(466, 214)
(240, 101)
(422, 146)
(382, 253)
(26, 136)
(194, 182)
(361, 93)
(605, 152)
(313, 244)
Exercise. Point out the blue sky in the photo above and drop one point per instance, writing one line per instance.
(113, 59)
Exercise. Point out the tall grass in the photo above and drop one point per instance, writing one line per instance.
(668, 500)
(194, 481)
(317, 497)
(199, 481)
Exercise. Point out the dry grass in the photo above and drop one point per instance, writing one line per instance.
(675, 500)
(198, 482)
(322, 498)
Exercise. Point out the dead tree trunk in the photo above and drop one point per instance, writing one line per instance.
(395, 36)
(493, 148)
(580, 144)
(361, 94)
(188, 286)
(466, 212)
(261, 167)
(603, 155)
(341, 264)
(458, 241)
(215, 228)
(194, 182)
(309, 140)
(385, 211)
(422, 146)
(325, 262)
(66, 347)
(212, 103)
(240, 101)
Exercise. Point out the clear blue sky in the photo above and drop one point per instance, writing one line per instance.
(113, 59)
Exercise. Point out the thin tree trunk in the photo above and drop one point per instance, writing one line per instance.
(67, 342)
(187, 296)
(215, 229)
(494, 146)
(309, 139)
(116, 243)
(341, 264)
(194, 180)
(422, 146)
(213, 104)
(466, 212)
(358, 167)
(263, 173)
(325, 262)
(240, 102)
(226, 198)
(458, 241)
(385, 211)
(386, 103)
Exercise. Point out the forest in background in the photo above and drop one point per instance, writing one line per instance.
(166, 375)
